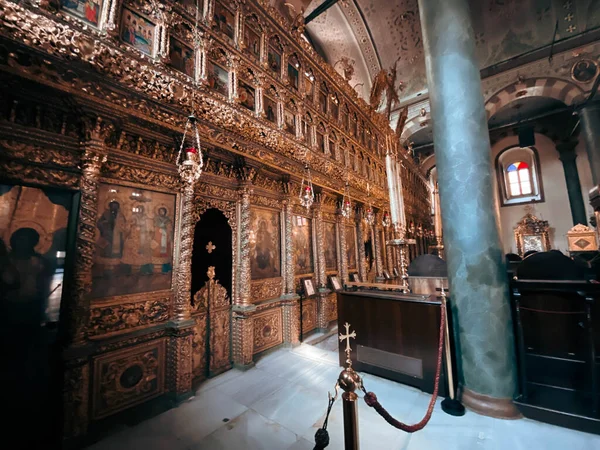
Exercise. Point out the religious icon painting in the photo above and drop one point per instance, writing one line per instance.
(89, 11)
(181, 56)
(265, 249)
(302, 245)
(270, 107)
(251, 41)
(293, 74)
(309, 84)
(33, 247)
(309, 287)
(246, 95)
(218, 78)
(137, 31)
(351, 247)
(330, 246)
(289, 121)
(134, 241)
(224, 20)
(336, 284)
(274, 60)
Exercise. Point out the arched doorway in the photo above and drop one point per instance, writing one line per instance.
(212, 247)
(212, 260)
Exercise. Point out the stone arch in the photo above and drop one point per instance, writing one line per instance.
(555, 88)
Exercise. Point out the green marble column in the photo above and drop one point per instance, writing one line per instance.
(590, 131)
(478, 281)
(568, 157)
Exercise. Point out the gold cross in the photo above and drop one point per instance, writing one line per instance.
(210, 247)
(347, 337)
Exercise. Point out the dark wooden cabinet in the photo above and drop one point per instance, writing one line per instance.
(397, 336)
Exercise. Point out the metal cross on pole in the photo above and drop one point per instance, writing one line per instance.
(347, 337)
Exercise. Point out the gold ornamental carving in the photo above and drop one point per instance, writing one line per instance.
(267, 330)
(242, 338)
(127, 377)
(131, 71)
(138, 175)
(582, 239)
(245, 296)
(290, 287)
(127, 316)
(39, 155)
(331, 307)
(321, 275)
(309, 315)
(212, 312)
(265, 289)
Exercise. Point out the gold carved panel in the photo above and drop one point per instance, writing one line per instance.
(331, 308)
(265, 289)
(309, 315)
(127, 377)
(582, 239)
(111, 318)
(199, 368)
(268, 330)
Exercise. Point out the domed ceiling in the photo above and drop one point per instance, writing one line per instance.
(374, 34)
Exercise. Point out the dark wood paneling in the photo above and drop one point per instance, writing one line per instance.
(406, 326)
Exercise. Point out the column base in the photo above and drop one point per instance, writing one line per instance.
(244, 367)
(499, 408)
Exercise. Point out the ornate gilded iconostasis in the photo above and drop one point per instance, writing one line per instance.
(168, 280)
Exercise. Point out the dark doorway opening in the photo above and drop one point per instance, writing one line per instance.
(212, 247)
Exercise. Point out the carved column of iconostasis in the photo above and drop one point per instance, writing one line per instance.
(242, 321)
(321, 277)
(290, 287)
(343, 260)
(179, 363)
(244, 296)
(291, 303)
(376, 240)
(321, 243)
(77, 368)
(361, 233)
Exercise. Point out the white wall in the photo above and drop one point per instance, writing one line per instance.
(555, 208)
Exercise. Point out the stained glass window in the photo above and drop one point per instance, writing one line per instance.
(519, 179)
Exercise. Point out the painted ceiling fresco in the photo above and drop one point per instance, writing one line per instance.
(503, 29)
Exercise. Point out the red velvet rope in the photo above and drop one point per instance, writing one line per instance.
(371, 398)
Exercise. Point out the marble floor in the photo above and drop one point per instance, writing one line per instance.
(280, 403)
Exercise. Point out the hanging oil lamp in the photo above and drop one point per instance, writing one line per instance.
(346, 209)
(189, 159)
(386, 221)
(307, 193)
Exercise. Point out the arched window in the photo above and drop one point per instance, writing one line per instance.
(519, 178)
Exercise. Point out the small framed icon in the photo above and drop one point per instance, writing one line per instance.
(309, 287)
(336, 284)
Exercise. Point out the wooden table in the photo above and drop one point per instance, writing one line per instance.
(397, 335)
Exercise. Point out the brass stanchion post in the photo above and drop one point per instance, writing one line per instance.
(450, 405)
(350, 381)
